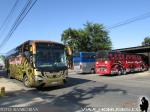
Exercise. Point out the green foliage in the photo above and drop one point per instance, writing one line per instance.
(97, 36)
(146, 41)
(92, 37)
(69, 37)
(2, 57)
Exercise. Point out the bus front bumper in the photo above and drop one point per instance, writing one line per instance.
(103, 70)
(47, 82)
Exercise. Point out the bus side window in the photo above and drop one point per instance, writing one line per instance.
(25, 48)
(20, 50)
(127, 57)
(119, 56)
(115, 56)
(110, 56)
(91, 56)
(16, 52)
(134, 57)
(122, 56)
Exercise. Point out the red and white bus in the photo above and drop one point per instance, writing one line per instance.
(114, 62)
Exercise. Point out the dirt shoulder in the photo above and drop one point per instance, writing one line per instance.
(9, 85)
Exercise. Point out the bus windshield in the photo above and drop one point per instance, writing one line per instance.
(102, 55)
(84, 57)
(50, 56)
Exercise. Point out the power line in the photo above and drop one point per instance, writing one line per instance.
(15, 23)
(9, 15)
(128, 21)
(19, 19)
(5, 22)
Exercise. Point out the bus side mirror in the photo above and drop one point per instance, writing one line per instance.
(31, 49)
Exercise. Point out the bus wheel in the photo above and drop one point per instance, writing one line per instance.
(142, 68)
(26, 81)
(119, 72)
(124, 72)
(92, 71)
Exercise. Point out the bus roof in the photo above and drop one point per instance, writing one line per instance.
(32, 41)
(43, 41)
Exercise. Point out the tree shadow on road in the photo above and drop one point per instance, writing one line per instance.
(71, 82)
(78, 96)
(65, 99)
(83, 73)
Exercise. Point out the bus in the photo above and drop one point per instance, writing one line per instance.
(38, 63)
(84, 62)
(114, 62)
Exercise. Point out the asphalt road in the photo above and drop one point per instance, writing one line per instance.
(82, 92)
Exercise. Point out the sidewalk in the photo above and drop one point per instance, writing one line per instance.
(9, 85)
(71, 71)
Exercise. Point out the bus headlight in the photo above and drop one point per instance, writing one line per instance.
(106, 62)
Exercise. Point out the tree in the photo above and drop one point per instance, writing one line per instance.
(69, 38)
(146, 41)
(91, 38)
(2, 57)
(97, 36)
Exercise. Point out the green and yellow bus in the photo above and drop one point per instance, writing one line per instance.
(38, 63)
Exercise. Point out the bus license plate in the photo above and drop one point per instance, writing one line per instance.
(54, 82)
(51, 74)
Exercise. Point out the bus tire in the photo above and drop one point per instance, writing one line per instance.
(92, 71)
(119, 72)
(143, 68)
(124, 72)
(26, 81)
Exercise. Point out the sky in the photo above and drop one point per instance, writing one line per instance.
(49, 18)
